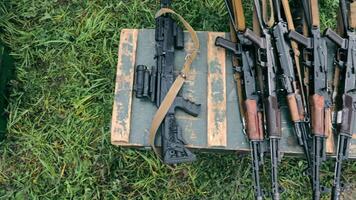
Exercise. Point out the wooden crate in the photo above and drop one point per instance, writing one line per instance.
(210, 83)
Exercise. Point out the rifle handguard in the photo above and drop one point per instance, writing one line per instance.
(297, 114)
(317, 115)
(254, 131)
(273, 117)
(348, 125)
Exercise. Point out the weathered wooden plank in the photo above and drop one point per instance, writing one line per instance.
(121, 118)
(216, 92)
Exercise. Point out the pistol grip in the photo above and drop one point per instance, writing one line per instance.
(301, 39)
(227, 44)
(249, 34)
(187, 106)
(334, 37)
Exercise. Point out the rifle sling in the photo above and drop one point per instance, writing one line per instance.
(237, 76)
(179, 81)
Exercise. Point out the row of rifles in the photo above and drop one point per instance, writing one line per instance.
(268, 58)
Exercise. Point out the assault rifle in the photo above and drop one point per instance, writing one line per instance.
(245, 67)
(315, 58)
(290, 82)
(155, 84)
(267, 61)
(346, 61)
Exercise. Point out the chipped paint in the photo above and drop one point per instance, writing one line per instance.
(120, 127)
(218, 88)
(215, 66)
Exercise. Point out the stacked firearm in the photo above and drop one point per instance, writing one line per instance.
(267, 61)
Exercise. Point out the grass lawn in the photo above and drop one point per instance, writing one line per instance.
(58, 145)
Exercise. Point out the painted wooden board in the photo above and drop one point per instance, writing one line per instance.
(132, 117)
(121, 117)
(216, 93)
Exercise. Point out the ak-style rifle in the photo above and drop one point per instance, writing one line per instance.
(346, 61)
(267, 61)
(245, 68)
(154, 84)
(290, 74)
(315, 58)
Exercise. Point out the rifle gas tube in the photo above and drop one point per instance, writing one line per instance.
(266, 60)
(315, 49)
(245, 66)
(346, 61)
(155, 84)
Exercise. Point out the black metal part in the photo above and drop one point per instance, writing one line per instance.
(346, 60)
(154, 84)
(275, 159)
(306, 9)
(318, 156)
(257, 153)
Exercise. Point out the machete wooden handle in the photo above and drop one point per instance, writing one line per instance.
(288, 14)
(239, 15)
(314, 9)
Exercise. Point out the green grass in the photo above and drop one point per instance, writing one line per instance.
(58, 145)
